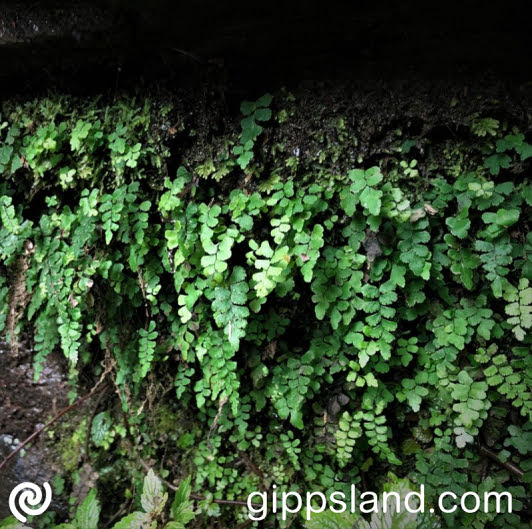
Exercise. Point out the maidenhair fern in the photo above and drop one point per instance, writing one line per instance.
(314, 316)
(520, 310)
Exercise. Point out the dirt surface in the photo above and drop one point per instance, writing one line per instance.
(24, 406)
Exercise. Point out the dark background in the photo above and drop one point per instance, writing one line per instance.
(115, 44)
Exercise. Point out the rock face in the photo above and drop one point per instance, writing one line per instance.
(24, 406)
(21, 23)
(112, 43)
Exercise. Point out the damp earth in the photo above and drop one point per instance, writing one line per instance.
(25, 405)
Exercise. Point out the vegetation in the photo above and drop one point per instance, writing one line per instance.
(276, 307)
(153, 500)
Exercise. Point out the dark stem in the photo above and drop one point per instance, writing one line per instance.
(254, 468)
(244, 525)
(515, 470)
(37, 432)
(123, 507)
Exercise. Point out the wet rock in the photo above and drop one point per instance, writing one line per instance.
(25, 405)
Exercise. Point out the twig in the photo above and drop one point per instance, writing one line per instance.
(221, 404)
(199, 497)
(37, 432)
(187, 54)
(143, 290)
(254, 468)
(123, 507)
(515, 470)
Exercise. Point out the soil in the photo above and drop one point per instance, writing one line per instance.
(24, 406)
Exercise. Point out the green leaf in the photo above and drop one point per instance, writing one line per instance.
(329, 520)
(371, 200)
(135, 520)
(263, 114)
(265, 100)
(270, 269)
(229, 306)
(463, 262)
(507, 217)
(496, 162)
(349, 203)
(244, 158)
(520, 310)
(182, 510)
(101, 425)
(12, 523)
(363, 191)
(525, 151)
(247, 107)
(460, 224)
(88, 513)
(5, 154)
(153, 499)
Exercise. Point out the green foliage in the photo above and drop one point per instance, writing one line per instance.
(393, 518)
(88, 513)
(255, 112)
(330, 520)
(311, 319)
(364, 191)
(471, 406)
(520, 310)
(485, 126)
(181, 511)
(501, 160)
(229, 306)
(104, 430)
(12, 523)
(147, 346)
(153, 501)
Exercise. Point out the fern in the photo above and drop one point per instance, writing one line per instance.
(318, 317)
(147, 346)
(230, 306)
(520, 310)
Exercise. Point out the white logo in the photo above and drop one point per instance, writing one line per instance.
(28, 500)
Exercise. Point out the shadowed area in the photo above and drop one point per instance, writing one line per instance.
(95, 45)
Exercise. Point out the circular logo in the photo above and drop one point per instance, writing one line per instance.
(29, 496)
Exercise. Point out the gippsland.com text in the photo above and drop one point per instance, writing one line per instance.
(260, 504)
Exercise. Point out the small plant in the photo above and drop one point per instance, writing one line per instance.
(255, 112)
(409, 168)
(485, 127)
(153, 502)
